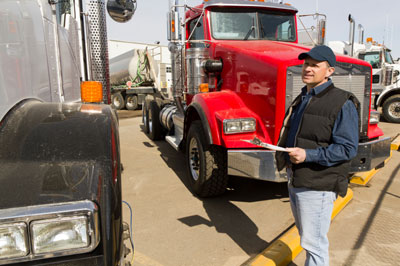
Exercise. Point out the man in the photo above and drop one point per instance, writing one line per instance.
(321, 131)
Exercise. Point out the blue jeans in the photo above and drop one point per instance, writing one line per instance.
(312, 211)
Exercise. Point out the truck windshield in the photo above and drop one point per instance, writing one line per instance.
(372, 57)
(252, 24)
(388, 57)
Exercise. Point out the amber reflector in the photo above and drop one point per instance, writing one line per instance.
(203, 87)
(91, 92)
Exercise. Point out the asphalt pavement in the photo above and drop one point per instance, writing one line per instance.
(173, 227)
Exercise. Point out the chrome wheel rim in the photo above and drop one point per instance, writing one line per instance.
(150, 121)
(131, 101)
(117, 102)
(394, 109)
(194, 159)
(144, 116)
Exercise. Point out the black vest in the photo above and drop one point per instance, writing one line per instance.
(315, 130)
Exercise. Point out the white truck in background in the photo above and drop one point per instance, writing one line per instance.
(385, 74)
(137, 70)
(385, 71)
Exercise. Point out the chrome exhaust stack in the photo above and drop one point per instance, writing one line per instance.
(352, 33)
(360, 34)
(177, 55)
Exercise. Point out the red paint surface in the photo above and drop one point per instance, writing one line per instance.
(254, 85)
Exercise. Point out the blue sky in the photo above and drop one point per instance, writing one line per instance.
(380, 19)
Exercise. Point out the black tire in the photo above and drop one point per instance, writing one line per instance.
(155, 128)
(145, 117)
(391, 109)
(117, 101)
(206, 164)
(131, 102)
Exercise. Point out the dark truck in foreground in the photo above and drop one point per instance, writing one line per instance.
(60, 175)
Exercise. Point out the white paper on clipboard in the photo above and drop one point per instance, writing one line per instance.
(258, 142)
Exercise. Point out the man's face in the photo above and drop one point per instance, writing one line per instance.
(315, 72)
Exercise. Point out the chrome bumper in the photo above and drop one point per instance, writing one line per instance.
(370, 155)
(258, 164)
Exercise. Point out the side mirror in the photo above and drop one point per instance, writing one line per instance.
(121, 10)
(321, 31)
(173, 26)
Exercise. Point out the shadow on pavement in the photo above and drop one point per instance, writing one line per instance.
(223, 214)
(367, 226)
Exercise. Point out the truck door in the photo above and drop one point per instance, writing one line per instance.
(68, 45)
(375, 59)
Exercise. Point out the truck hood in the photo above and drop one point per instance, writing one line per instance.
(277, 53)
(268, 51)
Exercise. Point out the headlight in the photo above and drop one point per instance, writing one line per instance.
(59, 234)
(47, 231)
(241, 125)
(13, 240)
(374, 117)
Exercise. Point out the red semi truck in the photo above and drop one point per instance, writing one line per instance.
(235, 72)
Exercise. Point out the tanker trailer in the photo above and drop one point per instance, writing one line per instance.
(133, 75)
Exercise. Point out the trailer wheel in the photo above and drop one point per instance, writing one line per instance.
(155, 128)
(206, 164)
(117, 101)
(391, 109)
(145, 117)
(131, 102)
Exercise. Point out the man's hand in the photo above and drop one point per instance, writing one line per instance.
(297, 155)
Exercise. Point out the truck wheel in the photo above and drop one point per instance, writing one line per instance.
(155, 128)
(131, 102)
(117, 101)
(391, 109)
(145, 117)
(206, 164)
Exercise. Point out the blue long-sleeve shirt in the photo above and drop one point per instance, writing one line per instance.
(344, 133)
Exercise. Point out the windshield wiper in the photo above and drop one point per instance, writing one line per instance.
(249, 33)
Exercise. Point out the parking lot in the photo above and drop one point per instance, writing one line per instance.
(173, 227)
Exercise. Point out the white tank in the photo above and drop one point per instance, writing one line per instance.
(134, 66)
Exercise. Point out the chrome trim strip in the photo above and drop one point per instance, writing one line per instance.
(53, 211)
(258, 164)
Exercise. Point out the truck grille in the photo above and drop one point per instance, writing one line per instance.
(349, 77)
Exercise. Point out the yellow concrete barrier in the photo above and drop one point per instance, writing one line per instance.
(395, 144)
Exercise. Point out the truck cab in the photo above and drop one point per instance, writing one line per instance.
(386, 80)
(385, 74)
(235, 73)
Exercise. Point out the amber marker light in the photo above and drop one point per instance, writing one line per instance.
(173, 25)
(203, 87)
(91, 92)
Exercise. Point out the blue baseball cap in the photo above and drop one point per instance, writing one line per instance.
(320, 53)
